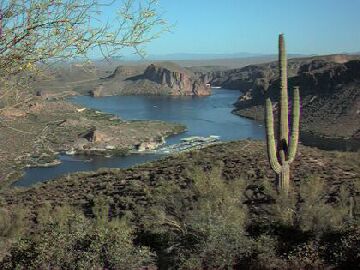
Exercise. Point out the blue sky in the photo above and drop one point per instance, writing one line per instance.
(231, 26)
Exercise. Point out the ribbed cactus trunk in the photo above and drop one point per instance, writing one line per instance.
(284, 106)
(282, 153)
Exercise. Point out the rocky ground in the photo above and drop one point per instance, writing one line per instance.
(34, 134)
(128, 188)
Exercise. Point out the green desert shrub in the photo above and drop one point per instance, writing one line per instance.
(66, 239)
(310, 209)
(202, 225)
(301, 224)
(205, 225)
(285, 208)
(220, 217)
(265, 255)
(12, 227)
(316, 213)
(12, 222)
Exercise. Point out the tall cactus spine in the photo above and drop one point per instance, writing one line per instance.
(282, 152)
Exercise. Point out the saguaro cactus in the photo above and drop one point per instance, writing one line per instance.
(282, 153)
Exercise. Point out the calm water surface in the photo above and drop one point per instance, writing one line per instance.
(203, 116)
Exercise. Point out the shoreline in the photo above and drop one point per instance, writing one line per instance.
(235, 155)
(317, 140)
(111, 136)
(109, 150)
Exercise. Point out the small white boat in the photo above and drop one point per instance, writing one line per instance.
(81, 109)
(190, 139)
(70, 152)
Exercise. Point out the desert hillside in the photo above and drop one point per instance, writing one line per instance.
(329, 88)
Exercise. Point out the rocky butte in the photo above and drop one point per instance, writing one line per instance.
(163, 78)
(178, 80)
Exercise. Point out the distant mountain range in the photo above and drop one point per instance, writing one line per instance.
(217, 61)
(201, 56)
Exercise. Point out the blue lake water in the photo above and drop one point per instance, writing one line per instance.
(203, 116)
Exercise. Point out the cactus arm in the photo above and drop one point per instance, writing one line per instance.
(295, 125)
(270, 137)
(284, 108)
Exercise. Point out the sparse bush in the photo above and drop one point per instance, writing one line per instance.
(12, 226)
(285, 208)
(12, 223)
(220, 217)
(316, 213)
(66, 239)
(308, 223)
(203, 226)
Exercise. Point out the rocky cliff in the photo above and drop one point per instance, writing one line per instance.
(178, 80)
(163, 78)
(329, 85)
(262, 75)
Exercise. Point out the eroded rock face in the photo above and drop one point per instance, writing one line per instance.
(330, 94)
(178, 79)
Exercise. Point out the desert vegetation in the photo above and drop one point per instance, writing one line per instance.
(205, 222)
